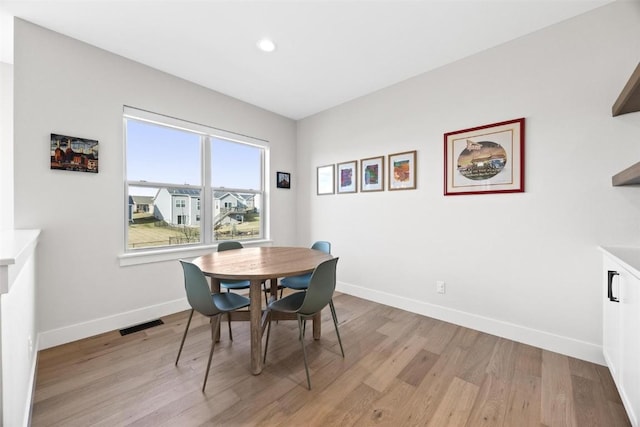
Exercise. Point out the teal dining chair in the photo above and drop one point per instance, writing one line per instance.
(301, 282)
(211, 305)
(232, 284)
(308, 303)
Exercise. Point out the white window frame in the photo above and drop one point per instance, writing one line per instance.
(207, 244)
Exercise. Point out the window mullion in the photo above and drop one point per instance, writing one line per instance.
(206, 230)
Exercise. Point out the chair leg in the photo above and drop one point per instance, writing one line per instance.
(335, 323)
(215, 325)
(229, 322)
(184, 336)
(266, 344)
(304, 351)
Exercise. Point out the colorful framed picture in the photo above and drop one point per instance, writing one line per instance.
(372, 174)
(485, 159)
(283, 179)
(74, 154)
(402, 171)
(348, 177)
(325, 176)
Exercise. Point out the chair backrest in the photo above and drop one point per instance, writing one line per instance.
(322, 246)
(321, 287)
(198, 291)
(229, 244)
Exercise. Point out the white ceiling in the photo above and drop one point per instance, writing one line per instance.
(328, 52)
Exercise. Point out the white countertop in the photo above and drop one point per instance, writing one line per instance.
(15, 247)
(629, 257)
(14, 242)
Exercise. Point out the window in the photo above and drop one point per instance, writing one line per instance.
(201, 185)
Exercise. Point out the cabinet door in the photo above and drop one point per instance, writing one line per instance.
(611, 318)
(630, 339)
(621, 333)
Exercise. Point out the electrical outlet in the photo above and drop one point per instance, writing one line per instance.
(440, 288)
(30, 345)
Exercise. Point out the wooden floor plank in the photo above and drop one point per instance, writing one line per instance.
(415, 371)
(400, 369)
(585, 395)
(382, 410)
(524, 403)
(558, 406)
(455, 407)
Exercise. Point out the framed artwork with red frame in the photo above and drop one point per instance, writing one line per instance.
(485, 159)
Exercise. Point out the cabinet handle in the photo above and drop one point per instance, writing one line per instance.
(611, 274)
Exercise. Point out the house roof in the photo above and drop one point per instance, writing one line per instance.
(183, 192)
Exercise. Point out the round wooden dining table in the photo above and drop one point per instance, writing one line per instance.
(258, 264)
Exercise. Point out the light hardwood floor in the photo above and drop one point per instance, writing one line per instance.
(400, 369)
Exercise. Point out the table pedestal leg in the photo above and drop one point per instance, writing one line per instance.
(255, 314)
(317, 320)
(274, 287)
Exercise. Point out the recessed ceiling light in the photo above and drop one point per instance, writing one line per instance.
(266, 45)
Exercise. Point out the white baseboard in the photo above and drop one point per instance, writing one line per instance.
(79, 331)
(537, 338)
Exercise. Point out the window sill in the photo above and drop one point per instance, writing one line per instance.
(172, 254)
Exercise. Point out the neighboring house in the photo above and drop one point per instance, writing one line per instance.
(177, 206)
(180, 206)
(230, 208)
(142, 204)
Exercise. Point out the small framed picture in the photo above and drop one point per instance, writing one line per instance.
(283, 179)
(485, 159)
(348, 177)
(325, 176)
(372, 174)
(402, 171)
(74, 154)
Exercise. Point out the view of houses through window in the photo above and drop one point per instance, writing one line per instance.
(189, 184)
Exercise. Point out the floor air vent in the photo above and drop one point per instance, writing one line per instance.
(141, 327)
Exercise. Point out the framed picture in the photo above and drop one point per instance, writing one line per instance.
(402, 171)
(372, 174)
(485, 159)
(348, 177)
(74, 154)
(325, 179)
(283, 179)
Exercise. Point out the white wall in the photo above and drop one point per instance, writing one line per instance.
(68, 87)
(6, 146)
(524, 266)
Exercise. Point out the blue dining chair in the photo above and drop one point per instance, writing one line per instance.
(301, 282)
(211, 305)
(308, 303)
(229, 284)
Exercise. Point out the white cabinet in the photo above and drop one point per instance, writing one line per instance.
(621, 324)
